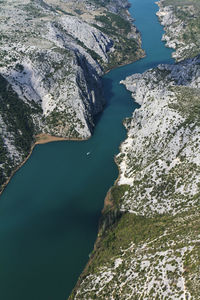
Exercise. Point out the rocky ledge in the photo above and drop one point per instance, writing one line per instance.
(148, 243)
(181, 21)
(53, 54)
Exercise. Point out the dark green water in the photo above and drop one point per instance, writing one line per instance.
(49, 211)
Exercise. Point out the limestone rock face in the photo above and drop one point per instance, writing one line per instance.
(46, 64)
(147, 251)
(181, 25)
(91, 37)
(166, 129)
(148, 240)
(52, 58)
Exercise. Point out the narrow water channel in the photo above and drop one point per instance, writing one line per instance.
(49, 212)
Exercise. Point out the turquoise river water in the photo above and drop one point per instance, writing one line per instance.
(49, 211)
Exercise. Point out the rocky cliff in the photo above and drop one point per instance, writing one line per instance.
(181, 21)
(53, 54)
(148, 243)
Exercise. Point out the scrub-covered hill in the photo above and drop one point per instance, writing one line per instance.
(181, 21)
(148, 246)
(53, 54)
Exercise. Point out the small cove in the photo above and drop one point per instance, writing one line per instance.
(49, 211)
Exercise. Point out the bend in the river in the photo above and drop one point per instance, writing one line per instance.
(49, 211)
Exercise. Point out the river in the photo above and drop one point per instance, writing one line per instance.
(50, 209)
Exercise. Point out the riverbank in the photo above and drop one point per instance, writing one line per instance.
(61, 80)
(44, 138)
(52, 214)
(182, 28)
(153, 221)
(39, 140)
(147, 245)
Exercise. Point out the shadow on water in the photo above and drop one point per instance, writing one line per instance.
(107, 84)
(49, 212)
(107, 87)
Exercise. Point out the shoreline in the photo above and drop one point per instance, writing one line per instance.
(108, 205)
(128, 62)
(91, 256)
(44, 138)
(40, 139)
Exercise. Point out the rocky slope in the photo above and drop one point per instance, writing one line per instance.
(166, 129)
(53, 54)
(148, 246)
(148, 243)
(181, 21)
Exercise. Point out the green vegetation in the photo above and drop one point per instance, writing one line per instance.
(156, 247)
(178, 3)
(118, 29)
(129, 228)
(16, 115)
(78, 11)
(139, 229)
(17, 118)
(33, 11)
(126, 51)
(30, 24)
(67, 120)
(111, 21)
(191, 272)
(94, 55)
(19, 67)
(117, 192)
(149, 237)
(3, 152)
(188, 103)
(63, 11)
(100, 2)
(188, 13)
